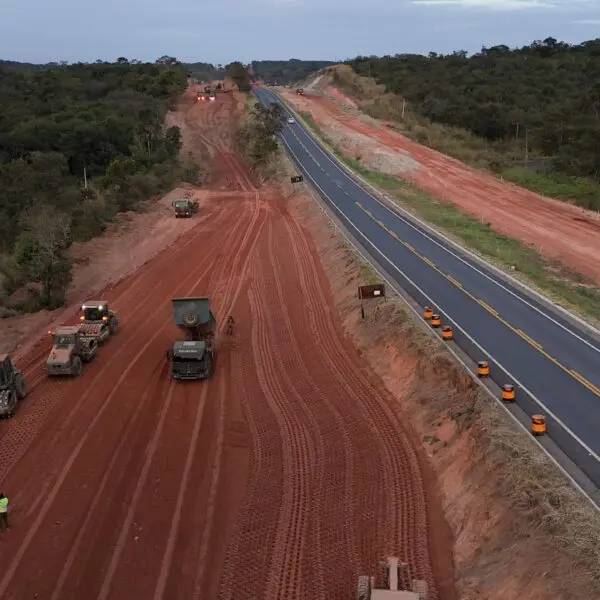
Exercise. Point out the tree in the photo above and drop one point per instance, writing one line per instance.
(41, 252)
(240, 76)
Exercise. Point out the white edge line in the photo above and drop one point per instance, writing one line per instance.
(539, 402)
(406, 219)
(575, 484)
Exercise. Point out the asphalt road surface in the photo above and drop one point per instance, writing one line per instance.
(554, 364)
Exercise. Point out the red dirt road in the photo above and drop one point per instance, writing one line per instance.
(558, 230)
(284, 475)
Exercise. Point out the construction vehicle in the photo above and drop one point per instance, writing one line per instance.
(199, 97)
(70, 349)
(98, 321)
(186, 207)
(193, 357)
(366, 589)
(13, 387)
(300, 91)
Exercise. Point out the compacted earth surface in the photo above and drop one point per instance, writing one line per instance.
(558, 230)
(285, 475)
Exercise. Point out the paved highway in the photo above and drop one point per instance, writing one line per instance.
(555, 363)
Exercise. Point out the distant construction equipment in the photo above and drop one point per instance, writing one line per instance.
(193, 357)
(13, 387)
(186, 207)
(366, 585)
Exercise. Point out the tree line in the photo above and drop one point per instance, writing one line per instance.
(78, 143)
(282, 72)
(544, 96)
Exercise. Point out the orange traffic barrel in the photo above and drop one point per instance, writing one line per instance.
(508, 392)
(483, 368)
(538, 424)
(427, 312)
(436, 320)
(446, 332)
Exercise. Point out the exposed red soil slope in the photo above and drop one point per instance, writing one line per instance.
(557, 229)
(284, 475)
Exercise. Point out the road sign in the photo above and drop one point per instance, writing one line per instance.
(297, 179)
(376, 290)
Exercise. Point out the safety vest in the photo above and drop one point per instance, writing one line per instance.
(4, 505)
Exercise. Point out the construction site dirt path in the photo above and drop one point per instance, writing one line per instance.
(284, 475)
(556, 229)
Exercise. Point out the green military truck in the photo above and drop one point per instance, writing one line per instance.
(193, 357)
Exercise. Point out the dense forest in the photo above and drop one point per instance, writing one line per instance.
(78, 143)
(286, 71)
(205, 71)
(544, 96)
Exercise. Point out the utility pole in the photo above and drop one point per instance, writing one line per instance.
(84, 178)
(403, 107)
(526, 145)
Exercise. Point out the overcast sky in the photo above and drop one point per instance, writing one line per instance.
(220, 31)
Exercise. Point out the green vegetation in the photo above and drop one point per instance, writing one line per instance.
(255, 137)
(78, 143)
(286, 71)
(559, 283)
(205, 71)
(530, 114)
(240, 75)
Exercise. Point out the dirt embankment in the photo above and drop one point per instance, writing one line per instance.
(519, 532)
(556, 229)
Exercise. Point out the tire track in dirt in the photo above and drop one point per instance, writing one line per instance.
(295, 457)
(409, 517)
(237, 268)
(228, 264)
(178, 395)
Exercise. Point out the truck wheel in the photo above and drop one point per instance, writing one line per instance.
(21, 386)
(76, 366)
(113, 324)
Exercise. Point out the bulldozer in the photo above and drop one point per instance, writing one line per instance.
(98, 321)
(193, 357)
(70, 349)
(13, 387)
(366, 589)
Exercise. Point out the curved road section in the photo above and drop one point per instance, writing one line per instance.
(553, 362)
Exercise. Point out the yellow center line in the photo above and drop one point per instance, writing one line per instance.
(590, 386)
(488, 307)
(454, 281)
(529, 339)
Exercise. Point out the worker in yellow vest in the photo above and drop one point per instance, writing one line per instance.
(4, 511)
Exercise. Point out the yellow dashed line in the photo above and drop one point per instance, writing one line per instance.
(488, 307)
(529, 339)
(590, 386)
(584, 381)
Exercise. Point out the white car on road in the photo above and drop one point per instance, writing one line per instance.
(291, 120)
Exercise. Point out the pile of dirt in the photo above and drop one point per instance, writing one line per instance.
(519, 529)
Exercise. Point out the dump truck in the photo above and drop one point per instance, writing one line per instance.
(70, 349)
(366, 589)
(193, 357)
(13, 387)
(185, 207)
(98, 321)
